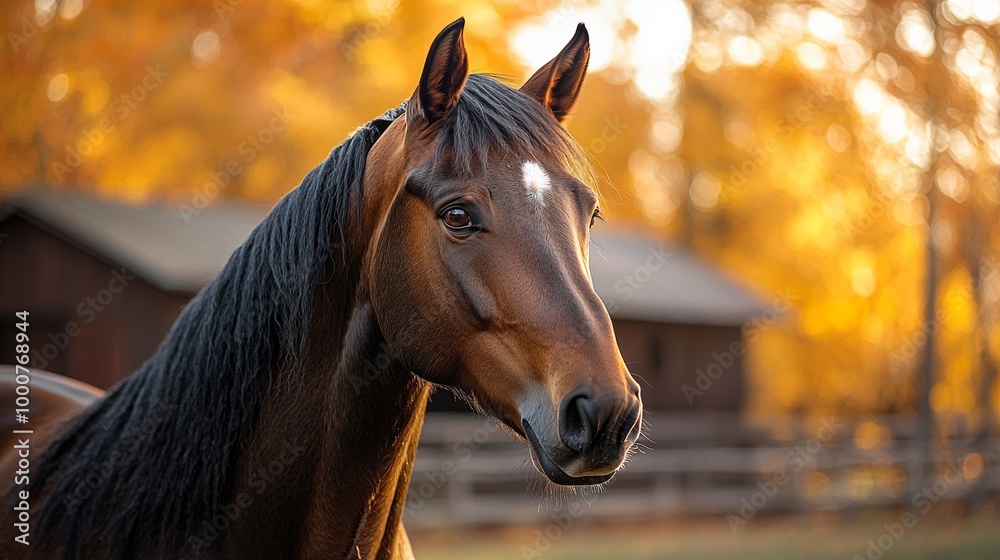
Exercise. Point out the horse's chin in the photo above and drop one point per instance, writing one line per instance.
(544, 463)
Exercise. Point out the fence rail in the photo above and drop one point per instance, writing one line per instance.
(467, 471)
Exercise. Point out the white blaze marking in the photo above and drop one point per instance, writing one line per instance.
(536, 180)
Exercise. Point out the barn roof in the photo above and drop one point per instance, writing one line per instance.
(642, 278)
(638, 277)
(156, 242)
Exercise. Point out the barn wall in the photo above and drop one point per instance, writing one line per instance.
(672, 358)
(78, 326)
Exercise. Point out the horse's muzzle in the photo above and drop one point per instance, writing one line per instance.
(589, 440)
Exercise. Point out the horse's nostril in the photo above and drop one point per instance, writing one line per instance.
(634, 388)
(578, 422)
(629, 422)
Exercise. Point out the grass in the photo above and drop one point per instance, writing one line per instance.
(818, 537)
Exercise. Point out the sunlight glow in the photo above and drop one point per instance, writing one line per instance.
(943, 235)
(811, 56)
(659, 202)
(657, 50)
(745, 51)
(652, 45)
(918, 149)
(916, 32)
(892, 122)
(666, 134)
(853, 55)
(951, 182)
(994, 151)
(707, 57)
(704, 191)
(58, 87)
(661, 44)
(787, 23)
(983, 11)
(863, 280)
(45, 9)
(536, 43)
(962, 151)
(868, 96)
(206, 48)
(838, 138)
(656, 84)
(825, 26)
(69, 9)
(986, 11)
(886, 66)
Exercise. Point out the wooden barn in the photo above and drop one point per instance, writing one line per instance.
(103, 283)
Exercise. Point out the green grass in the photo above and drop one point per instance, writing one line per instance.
(817, 538)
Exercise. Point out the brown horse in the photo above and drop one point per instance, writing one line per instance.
(444, 244)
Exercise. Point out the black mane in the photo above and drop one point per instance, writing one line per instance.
(154, 457)
(143, 467)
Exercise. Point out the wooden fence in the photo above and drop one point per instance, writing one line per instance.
(468, 472)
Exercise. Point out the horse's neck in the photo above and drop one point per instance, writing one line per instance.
(376, 410)
(339, 451)
(345, 426)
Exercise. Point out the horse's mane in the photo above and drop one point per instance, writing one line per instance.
(146, 465)
(155, 455)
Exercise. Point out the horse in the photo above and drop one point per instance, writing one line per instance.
(444, 244)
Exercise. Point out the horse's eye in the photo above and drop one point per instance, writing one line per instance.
(457, 219)
(596, 216)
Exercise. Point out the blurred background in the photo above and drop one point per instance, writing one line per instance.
(802, 254)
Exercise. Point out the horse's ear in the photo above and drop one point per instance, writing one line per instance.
(557, 84)
(444, 75)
